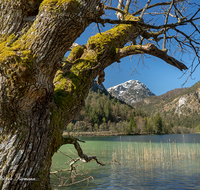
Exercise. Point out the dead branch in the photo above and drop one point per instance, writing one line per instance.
(83, 157)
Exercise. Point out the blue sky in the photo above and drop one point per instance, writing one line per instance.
(157, 75)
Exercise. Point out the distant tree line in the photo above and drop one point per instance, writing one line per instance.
(106, 113)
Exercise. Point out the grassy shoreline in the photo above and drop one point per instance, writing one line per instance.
(103, 133)
(94, 133)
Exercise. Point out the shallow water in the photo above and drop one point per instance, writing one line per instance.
(135, 162)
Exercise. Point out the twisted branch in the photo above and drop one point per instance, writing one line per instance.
(150, 49)
(83, 157)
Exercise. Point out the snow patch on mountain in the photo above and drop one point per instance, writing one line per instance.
(131, 91)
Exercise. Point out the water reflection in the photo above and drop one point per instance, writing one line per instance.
(176, 138)
(147, 162)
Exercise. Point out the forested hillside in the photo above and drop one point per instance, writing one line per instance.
(103, 113)
(106, 113)
(179, 108)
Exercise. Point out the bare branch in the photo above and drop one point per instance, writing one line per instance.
(173, 25)
(119, 14)
(195, 14)
(187, 37)
(155, 5)
(154, 35)
(195, 27)
(120, 4)
(128, 2)
(166, 21)
(150, 49)
(83, 157)
(114, 9)
(57, 171)
(145, 8)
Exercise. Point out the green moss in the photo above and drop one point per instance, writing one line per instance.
(76, 52)
(135, 48)
(16, 65)
(70, 89)
(16, 62)
(59, 5)
(112, 38)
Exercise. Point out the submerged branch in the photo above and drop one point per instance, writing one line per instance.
(83, 157)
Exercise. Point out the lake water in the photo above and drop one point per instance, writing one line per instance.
(133, 162)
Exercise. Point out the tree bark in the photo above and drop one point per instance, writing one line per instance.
(34, 38)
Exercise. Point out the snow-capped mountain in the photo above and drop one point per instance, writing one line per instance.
(131, 91)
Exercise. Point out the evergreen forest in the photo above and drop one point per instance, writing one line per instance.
(104, 113)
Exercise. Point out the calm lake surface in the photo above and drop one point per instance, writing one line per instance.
(133, 162)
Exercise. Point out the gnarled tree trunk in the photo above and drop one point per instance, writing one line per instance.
(35, 35)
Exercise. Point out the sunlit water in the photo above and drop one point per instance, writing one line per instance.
(134, 162)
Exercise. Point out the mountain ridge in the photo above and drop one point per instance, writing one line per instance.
(131, 91)
(180, 101)
(174, 112)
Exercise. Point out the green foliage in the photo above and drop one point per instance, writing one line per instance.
(132, 124)
(187, 116)
(158, 123)
(105, 113)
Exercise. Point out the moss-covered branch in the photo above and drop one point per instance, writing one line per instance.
(73, 81)
(150, 49)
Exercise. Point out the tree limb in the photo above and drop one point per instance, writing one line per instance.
(119, 14)
(173, 25)
(83, 157)
(145, 8)
(150, 49)
(155, 5)
(128, 2)
(166, 21)
(114, 9)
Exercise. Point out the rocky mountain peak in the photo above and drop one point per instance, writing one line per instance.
(131, 91)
